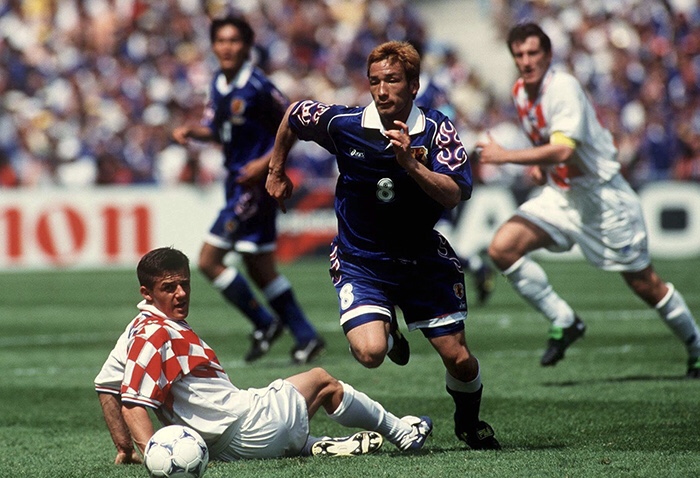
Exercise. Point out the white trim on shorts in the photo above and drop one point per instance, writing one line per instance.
(244, 247)
(363, 310)
(449, 319)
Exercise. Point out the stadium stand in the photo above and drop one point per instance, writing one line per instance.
(89, 89)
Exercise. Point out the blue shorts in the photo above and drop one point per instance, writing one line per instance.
(429, 290)
(247, 223)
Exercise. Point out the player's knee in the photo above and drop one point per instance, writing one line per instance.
(459, 361)
(495, 252)
(207, 268)
(369, 358)
(322, 376)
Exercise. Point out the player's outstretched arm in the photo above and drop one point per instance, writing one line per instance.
(111, 409)
(278, 184)
(139, 423)
(182, 134)
(491, 152)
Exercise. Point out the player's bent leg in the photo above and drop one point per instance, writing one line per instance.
(463, 384)
(369, 342)
(672, 309)
(236, 290)
(514, 239)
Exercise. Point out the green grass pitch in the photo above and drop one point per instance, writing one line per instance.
(616, 406)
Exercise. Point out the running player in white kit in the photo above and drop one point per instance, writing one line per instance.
(585, 201)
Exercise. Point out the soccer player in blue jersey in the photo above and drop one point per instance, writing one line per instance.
(400, 168)
(243, 113)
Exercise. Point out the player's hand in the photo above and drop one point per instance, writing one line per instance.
(180, 134)
(537, 175)
(126, 458)
(401, 142)
(490, 152)
(280, 187)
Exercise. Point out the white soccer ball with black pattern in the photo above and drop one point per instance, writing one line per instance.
(176, 452)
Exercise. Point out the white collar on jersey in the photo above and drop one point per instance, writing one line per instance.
(239, 81)
(415, 122)
(151, 309)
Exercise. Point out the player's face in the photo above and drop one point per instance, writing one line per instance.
(391, 91)
(531, 60)
(170, 294)
(230, 49)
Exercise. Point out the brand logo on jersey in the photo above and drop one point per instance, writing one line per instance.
(458, 290)
(355, 153)
(420, 154)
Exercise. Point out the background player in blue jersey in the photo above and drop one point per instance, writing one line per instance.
(400, 168)
(243, 113)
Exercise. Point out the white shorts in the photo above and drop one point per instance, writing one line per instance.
(277, 424)
(605, 220)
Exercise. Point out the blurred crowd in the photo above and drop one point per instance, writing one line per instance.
(640, 61)
(90, 90)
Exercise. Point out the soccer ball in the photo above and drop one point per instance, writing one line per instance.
(176, 452)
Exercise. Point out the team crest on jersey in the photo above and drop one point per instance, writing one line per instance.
(238, 106)
(458, 290)
(420, 154)
(231, 226)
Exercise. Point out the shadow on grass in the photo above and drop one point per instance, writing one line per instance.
(631, 378)
(510, 447)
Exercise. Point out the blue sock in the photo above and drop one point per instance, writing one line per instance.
(236, 290)
(281, 298)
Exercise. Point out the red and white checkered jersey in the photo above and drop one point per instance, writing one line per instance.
(563, 106)
(162, 363)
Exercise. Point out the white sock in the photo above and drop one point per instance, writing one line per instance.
(357, 410)
(475, 262)
(465, 387)
(223, 280)
(277, 287)
(530, 281)
(676, 314)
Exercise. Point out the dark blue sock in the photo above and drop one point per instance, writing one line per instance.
(281, 298)
(239, 294)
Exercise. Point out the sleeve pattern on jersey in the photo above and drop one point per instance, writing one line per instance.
(451, 150)
(309, 112)
(309, 124)
(157, 357)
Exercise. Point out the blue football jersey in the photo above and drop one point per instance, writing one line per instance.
(381, 211)
(244, 115)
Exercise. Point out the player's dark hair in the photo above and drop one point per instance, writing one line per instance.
(400, 51)
(154, 264)
(240, 23)
(519, 33)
